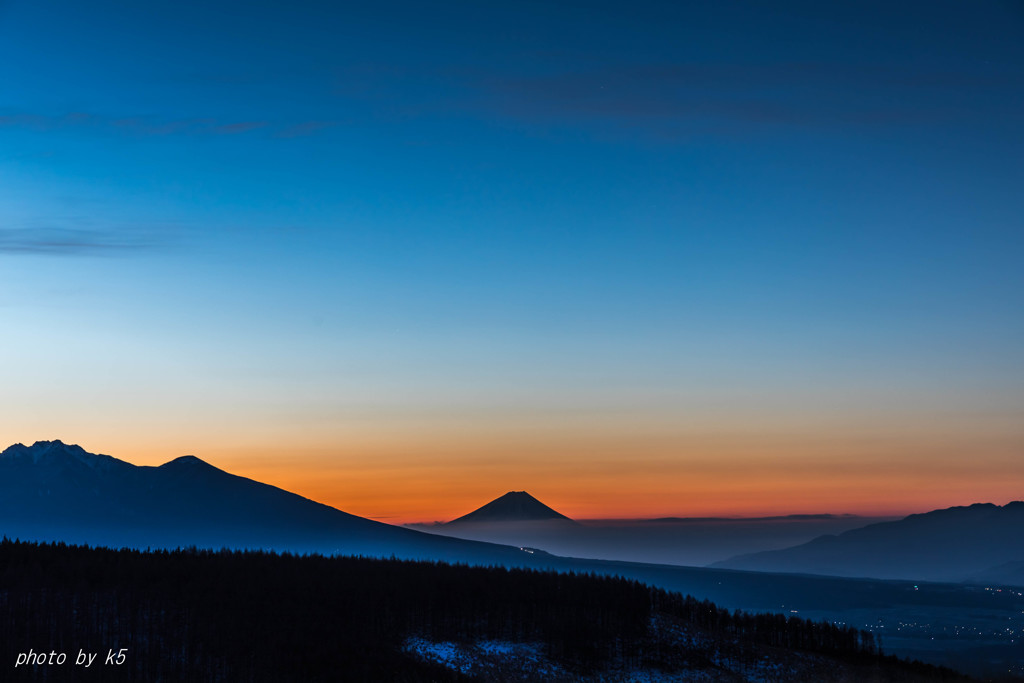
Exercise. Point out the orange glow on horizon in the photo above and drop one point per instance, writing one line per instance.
(613, 471)
(441, 484)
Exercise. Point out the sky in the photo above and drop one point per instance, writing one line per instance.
(638, 259)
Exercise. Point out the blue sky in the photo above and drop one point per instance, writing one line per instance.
(298, 225)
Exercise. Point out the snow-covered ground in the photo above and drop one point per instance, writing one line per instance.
(501, 660)
(489, 658)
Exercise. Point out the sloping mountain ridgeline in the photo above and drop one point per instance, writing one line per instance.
(955, 544)
(692, 542)
(52, 491)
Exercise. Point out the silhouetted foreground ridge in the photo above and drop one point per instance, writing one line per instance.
(253, 616)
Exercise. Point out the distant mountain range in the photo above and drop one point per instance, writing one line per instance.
(1008, 574)
(518, 519)
(773, 518)
(514, 506)
(56, 491)
(52, 491)
(977, 542)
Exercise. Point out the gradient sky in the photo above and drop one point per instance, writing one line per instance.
(635, 258)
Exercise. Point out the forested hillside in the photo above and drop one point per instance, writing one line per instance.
(252, 616)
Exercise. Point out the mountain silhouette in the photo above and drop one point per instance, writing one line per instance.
(514, 506)
(953, 544)
(52, 491)
(1006, 574)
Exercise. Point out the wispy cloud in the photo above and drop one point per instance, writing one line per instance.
(146, 126)
(55, 241)
(242, 127)
(663, 99)
(757, 95)
(305, 128)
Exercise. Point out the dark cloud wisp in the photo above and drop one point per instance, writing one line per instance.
(145, 126)
(75, 242)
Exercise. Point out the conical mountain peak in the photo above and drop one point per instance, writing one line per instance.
(186, 460)
(514, 506)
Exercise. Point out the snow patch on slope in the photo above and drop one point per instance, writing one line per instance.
(488, 658)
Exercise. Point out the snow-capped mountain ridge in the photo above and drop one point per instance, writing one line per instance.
(57, 452)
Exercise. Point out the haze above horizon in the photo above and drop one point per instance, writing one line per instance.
(731, 259)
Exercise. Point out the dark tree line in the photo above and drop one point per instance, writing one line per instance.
(776, 630)
(196, 615)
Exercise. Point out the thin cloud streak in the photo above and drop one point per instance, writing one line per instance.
(759, 95)
(243, 127)
(666, 99)
(74, 242)
(304, 129)
(155, 127)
